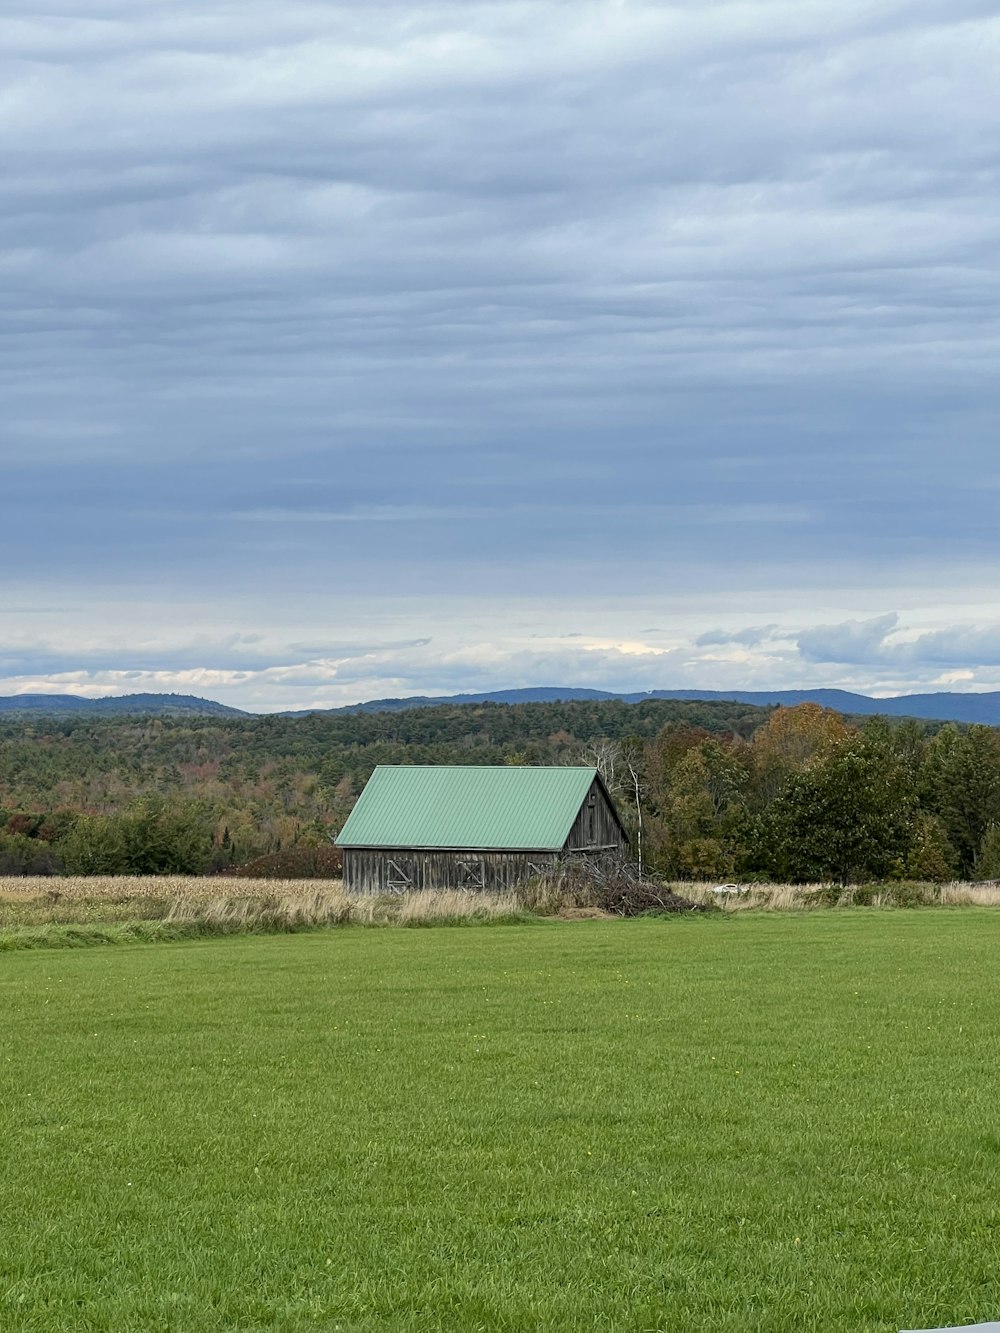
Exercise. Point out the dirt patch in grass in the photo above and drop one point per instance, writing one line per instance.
(582, 914)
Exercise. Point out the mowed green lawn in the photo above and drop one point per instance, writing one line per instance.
(769, 1122)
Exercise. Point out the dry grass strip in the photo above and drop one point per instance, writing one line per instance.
(809, 897)
(255, 904)
(233, 905)
(290, 911)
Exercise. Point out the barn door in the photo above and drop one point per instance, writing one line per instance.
(471, 875)
(399, 876)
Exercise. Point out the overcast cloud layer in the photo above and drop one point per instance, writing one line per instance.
(352, 350)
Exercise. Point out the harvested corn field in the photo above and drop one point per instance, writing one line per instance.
(136, 888)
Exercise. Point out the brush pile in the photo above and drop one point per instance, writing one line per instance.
(611, 886)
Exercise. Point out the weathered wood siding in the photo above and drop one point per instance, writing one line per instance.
(381, 870)
(595, 827)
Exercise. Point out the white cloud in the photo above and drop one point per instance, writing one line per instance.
(881, 656)
(855, 641)
(882, 642)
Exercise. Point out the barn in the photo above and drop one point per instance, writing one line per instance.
(474, 827)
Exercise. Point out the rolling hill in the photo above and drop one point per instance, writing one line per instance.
(946, 706)
(171, 705)
(943, 707)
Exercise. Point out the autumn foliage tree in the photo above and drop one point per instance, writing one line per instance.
(789, 742)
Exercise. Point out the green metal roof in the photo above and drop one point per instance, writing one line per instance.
(525, 809)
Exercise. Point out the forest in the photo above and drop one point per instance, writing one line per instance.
(708, 789)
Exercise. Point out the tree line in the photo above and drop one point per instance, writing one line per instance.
(811, 797)
(196, 794)
(708, 789)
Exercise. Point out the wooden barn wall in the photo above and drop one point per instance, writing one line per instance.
(371, 870)
(595, 826)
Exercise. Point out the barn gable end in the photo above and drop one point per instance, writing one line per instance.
(473, 827)
(597, 826)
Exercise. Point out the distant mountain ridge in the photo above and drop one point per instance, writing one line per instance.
(946, 706)
(116, 705)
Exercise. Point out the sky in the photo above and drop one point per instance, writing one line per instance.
(362, 350)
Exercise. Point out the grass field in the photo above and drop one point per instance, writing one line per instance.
(752, 1122)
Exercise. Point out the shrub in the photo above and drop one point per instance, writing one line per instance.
(300, 862)
(24, 855)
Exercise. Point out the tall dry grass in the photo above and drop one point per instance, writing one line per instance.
(752, 897)
(971, 895)
(285, 912)
(809, 897)
(429, 905)
(289, 911)
(228, 906)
